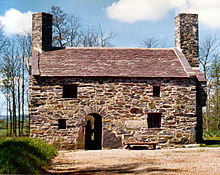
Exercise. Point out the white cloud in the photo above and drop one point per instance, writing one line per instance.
(208, 10)
(137, 10)
(148, 10)
(15, 22)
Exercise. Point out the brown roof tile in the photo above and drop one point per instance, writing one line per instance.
(114, 62)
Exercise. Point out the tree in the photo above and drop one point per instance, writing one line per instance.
(60, 27)
(104, 38)
(9, 67)
(89, 38)
(3, 44)
(3, 39)
(24, 46)
(96, 37)
(14, 76)
(215, 93)
(208, 45)
(67, 31)
(73, 37)
(150, 42)
(208, 62)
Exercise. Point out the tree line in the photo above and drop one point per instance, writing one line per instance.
(14, 54)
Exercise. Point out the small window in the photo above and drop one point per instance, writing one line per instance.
(70, 91)
(154, 120)
(156, 91)
(61, 123)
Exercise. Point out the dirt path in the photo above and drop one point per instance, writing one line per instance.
(120, 161)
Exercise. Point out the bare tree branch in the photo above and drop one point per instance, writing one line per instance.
(150, 42)
(73, 37)
(96, 37)
(208, 46)
(60, 27)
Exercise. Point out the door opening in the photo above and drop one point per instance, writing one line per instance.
(93, 134)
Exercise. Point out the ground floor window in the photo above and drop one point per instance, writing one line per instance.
(61, 123)
(154, 120)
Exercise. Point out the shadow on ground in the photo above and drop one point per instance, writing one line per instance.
(122, 169)
(212, 142)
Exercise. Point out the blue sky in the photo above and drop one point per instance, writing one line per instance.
(131, 20)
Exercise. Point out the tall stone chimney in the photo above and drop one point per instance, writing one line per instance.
(187, 38)
(41, 31)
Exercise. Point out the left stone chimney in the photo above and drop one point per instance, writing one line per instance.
(42, 31)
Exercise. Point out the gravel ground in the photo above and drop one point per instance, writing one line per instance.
(121, 161)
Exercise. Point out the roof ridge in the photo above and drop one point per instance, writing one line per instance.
(118, 48)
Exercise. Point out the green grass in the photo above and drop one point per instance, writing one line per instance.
(211, 139)
(209, 145)
(211, 135)
(3, 130)
(24, 155)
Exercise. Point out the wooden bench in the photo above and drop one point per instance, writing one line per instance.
(149, 145)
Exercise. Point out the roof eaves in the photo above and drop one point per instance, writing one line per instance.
(199, 74)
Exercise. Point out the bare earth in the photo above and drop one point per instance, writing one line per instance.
(121, 161)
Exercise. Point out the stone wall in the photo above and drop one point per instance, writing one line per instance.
(187, 37)
(123, 104)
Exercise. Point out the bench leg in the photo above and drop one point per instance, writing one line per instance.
(153, 146)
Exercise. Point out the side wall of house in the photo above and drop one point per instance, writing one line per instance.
(201, 97)
(123, 103)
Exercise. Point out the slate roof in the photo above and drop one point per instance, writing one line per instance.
(111, 62)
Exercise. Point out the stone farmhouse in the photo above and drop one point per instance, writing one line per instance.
(95, 98)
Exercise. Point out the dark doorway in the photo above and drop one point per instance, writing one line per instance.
(93, 135)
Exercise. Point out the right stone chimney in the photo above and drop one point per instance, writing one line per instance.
(187, 38)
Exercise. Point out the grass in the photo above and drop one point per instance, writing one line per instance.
(211, 139)
(3, 130)
(214, 135)
(24, 155)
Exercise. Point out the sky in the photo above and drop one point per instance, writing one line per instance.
(131, 21)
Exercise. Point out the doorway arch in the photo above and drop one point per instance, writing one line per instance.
(93, 132)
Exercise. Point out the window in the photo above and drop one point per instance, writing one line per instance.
(156, 91)
(70, 91)
(61, 123)
(154, 120)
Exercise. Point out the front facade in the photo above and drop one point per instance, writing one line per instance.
(94, 98)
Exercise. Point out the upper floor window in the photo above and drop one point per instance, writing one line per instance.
(70, 91)
(156, 91)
